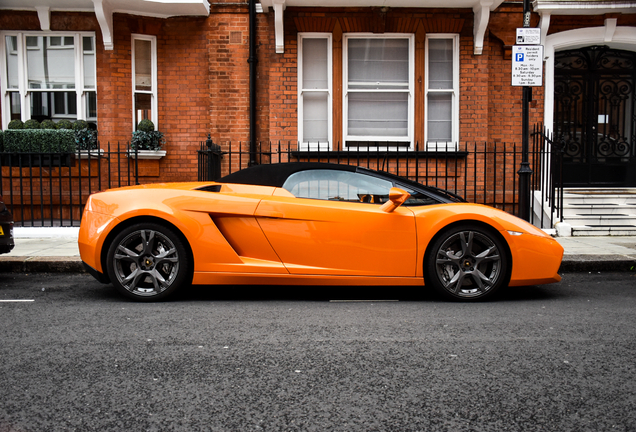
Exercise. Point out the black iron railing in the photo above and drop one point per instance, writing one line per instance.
(50, 189)
(548, 185)
(484, 173)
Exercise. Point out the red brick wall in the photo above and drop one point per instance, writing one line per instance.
(203, 72)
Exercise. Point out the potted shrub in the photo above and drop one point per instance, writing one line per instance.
(27, 144)
(16, 124)
(146, 142)
(32, 124)
(86, 140)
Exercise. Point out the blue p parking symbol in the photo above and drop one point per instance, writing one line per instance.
(519, 57)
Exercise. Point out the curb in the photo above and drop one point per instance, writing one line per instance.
(596, 263)
(570, 264)
(41, 265)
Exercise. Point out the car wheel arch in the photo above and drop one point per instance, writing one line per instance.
(479, 224)
(142, 219)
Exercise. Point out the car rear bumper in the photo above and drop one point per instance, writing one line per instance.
(6, 237)
(101, 277)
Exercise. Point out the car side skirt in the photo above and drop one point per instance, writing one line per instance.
(214, 278)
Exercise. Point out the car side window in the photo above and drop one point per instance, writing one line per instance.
(418, 198)
(338, 185)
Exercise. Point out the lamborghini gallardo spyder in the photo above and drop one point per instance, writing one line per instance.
(311, 224)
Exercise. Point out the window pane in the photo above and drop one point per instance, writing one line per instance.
(378, 114)
(50, 66)
(143, 107)
(11, 43)
(16, 109)
(440, 123)
(378, 63)
(65, 104)
(440, 64)
(53, 105)
(33, 41)
(315, 64)
(91, 105)
(40, 105)
(143, 65)
(315, 113)
(89, 62)
(338, 186)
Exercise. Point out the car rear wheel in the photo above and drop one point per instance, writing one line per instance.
(467, 262)
(148, 262)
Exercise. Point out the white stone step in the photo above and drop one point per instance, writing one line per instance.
(602, 231)
(596, 199)
(601, 220)
(600, 212)
(570, 209)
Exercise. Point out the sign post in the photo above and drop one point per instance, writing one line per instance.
(527, 71)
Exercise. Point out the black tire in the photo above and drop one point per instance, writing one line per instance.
(148, 262)
(467, 262)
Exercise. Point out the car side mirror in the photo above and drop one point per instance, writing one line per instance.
(397, 197)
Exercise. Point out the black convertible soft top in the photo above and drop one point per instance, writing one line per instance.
(276, 174)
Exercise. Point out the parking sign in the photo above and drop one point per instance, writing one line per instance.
(527, 65)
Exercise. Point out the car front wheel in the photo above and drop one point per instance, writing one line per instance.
(148, 262)
(467, 262)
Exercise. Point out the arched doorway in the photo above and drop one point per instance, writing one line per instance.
(595, 116)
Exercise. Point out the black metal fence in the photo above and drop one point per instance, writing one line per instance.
(50, 189)
(547, 203)
(484, 173)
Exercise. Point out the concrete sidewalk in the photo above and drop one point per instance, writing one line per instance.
(55, 250)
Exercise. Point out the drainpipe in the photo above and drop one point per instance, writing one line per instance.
(252, 61)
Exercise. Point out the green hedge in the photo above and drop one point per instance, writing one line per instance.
(39, 141)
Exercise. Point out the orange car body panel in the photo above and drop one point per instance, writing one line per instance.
(263, 235)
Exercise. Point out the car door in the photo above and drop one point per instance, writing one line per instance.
(334, 226)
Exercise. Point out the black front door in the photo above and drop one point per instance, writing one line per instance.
(595, 116)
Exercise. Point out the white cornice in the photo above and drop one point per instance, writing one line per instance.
(104, 10)
(565, 7)
(44, 15)
(482, 15)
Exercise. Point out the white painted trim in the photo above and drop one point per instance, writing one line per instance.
(279, 31)
(482, 15)
(44, 15)
(329, 37)
(456, 95)
(621, 38)
(411, 91)
(544, 25)
(153, 92)
(147, 154)
(25, 103)
(610, 29)
(104, 14)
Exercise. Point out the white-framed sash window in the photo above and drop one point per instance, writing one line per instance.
(314, 91)
(144, 72)
(442, 92)
(378, 87)
(48, 75)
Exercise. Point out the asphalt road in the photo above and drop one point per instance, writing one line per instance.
(551, 358)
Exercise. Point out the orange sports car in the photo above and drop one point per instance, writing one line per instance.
(308, 224)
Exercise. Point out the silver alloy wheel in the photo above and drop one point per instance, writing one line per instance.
(468, 264)
(146, 262)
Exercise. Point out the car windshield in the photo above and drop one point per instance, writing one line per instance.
(338, 186)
